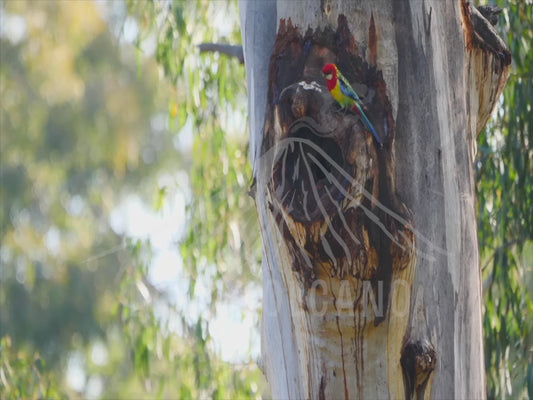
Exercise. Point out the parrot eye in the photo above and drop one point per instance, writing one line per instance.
(329, 76)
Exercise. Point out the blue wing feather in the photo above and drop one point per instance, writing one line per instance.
(348, 91)
(368, 124)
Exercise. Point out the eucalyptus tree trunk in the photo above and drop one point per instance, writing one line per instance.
(372, 285)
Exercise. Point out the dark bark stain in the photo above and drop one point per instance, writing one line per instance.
(345, 38)
(328, 174)
(322, 389)
(491, 13)
(372, 41)
(427, 21)
(418, 361)
(346, 393)
(358, 347)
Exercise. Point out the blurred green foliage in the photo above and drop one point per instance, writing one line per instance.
(505, 210)
(25, 376)
(221, 248)
(210, 98)
(80, 133)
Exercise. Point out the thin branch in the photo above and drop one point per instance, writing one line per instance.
(227, 49)
(498, 249)
(487, 283)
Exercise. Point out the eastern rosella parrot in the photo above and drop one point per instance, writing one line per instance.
(341, 91)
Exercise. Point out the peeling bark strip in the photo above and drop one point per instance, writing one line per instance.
(331, 195)
(490, 61)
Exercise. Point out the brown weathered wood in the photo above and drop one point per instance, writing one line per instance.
(371, 274)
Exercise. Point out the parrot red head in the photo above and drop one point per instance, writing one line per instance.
(330, 72)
